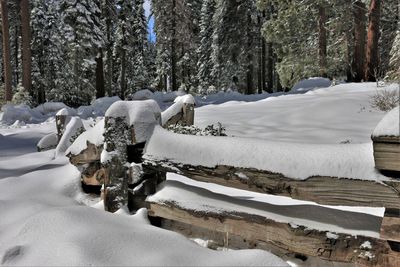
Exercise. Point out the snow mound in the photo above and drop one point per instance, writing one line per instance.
(93, 135)
(311, 83)
(146, 111)
(23, 113)
(98, 108)
(72, 130)
(98, 238)
(50, 107)
(143, 95)
(389, 125)
(48, 142)
(297, 161)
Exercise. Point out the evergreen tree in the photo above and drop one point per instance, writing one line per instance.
(232, 50)
(394, 65)
(205, 63)
(84, 37)
(140, 72)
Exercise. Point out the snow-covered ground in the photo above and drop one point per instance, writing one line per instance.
(46, 220)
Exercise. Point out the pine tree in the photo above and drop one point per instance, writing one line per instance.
(205, 63)
(140, 76)
(394, 65)
(84, 37)
(232, 58)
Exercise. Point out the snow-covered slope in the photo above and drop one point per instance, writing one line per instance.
(332, 115)
(43, 222)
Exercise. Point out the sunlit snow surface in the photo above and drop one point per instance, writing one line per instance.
(46, 220)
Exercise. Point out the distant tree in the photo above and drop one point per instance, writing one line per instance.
(359, 8)
(6, 51)
(205, 63)
(26, 45)
(372, 51)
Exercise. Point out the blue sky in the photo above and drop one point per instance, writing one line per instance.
(147, 5)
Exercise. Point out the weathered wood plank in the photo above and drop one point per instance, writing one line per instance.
(256, 229)
(387, 153)
(323, 190)
(386, 139)
(390, 228)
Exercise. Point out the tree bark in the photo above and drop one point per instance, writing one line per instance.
(322, 42)
(6, 51)
(26, 45)
(269, 68)
(109, 56)
(372, 52)
(173, 49)
(100, 92)
(123, 74)
(359, 40)
(250, 66)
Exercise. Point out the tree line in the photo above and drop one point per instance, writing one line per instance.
(75, 50)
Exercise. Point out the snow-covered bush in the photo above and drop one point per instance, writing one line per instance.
(210, 130)
(385, 100)
(22, 97)
(211, 90)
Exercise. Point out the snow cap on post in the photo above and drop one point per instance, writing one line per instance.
(146, 111)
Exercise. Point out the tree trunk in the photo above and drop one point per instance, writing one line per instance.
(123, 71)
(261, 56)
(16, 51)
(250, 66)
(372, 52)
(6, 51)
(269, 68)
(322, 43)
(26, 45)
(173, 49)
(100, 92)
(359, 40)
(109, 57)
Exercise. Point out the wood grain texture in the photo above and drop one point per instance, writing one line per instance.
(256, 229)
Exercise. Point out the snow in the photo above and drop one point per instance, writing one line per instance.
(93, 135)
(311, 83)
(98, 107)
(12, 113)
(72, 129)
(177, 107)
(48, 141)
(50, 107)
(366, 245)
(45, 222)
(135, 111)
(66, 112)
(297, 161)
(143, 95)
(186, 99)
(389, 125)
(331, 235)
(265, 198)
(310, 216)
(322, 116)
